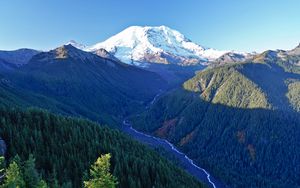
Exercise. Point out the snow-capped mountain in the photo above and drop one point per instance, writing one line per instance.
(139, 45)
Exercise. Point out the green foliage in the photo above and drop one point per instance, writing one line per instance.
(22, 175)
(225, 119)
(64, 148)
(294, 94)
(226, 85)
(100, 175)
(31, 176)
(42, 184)
(13, 177)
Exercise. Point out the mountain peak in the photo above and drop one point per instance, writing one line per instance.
(295, 51)
(64, 52)
(76, 44)
(70, 51)
(155, 44)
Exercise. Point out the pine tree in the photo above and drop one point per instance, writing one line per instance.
(31, 176)
(13, 177)
(101, 177)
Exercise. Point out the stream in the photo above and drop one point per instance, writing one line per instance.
(185, 162)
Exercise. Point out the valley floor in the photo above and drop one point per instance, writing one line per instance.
(185, 162)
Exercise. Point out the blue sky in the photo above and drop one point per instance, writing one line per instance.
(253, 25)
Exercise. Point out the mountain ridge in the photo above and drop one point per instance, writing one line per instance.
(238, 119)
(144, 45)
(18, 57)
(79, 83)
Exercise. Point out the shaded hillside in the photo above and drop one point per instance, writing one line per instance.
(75, 82)
(175, 75)
(64, 149)
(18, 57)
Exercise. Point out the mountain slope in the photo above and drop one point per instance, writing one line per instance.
(5, 66)
(64, 149)
(139, 45)
(84, 84)
(105, 54)
(238, 121)
(232, 57)
(18, 57)
(226, 85)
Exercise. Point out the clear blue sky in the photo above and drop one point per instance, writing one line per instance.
(221, 24)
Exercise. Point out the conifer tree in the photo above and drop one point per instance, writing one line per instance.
(100, 175)
(31, 176)
(13, 177)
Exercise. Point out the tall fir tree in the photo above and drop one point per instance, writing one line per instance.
(101, 177)
(31, 176)
(13, 177)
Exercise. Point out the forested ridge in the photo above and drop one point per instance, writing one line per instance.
(64, 148)
(228, 119)
(69, 81)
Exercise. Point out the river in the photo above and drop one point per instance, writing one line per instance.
(185, 162)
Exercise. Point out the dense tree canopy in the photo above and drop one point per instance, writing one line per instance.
(237, 121)
(64, 148)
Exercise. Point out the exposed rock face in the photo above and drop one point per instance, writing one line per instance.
(64, 52)
(105, 54)
(295, 51)
(232, 57)
(168, 58)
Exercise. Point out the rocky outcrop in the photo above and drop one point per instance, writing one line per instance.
(105, 54)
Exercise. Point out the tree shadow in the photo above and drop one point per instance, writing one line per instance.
(242, 147)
